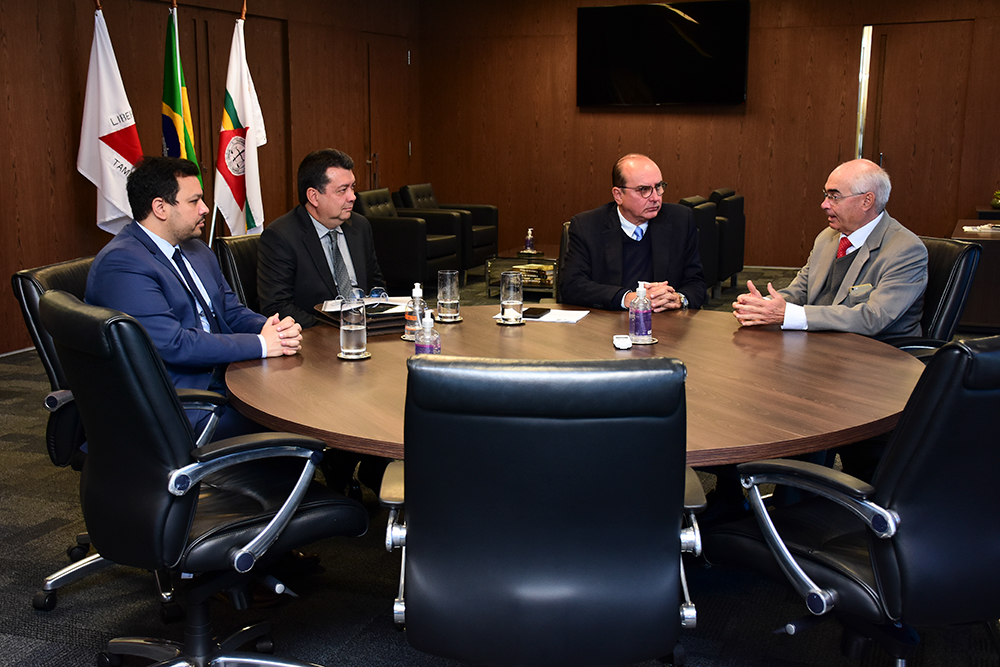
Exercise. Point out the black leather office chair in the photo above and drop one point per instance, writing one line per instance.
(154, 499)
(951, 266)
(480, 222)
(515, 551)
(708, 241)
(732, 234)
(411, 248)
(920, 544)
(238, 260)
(64, 431)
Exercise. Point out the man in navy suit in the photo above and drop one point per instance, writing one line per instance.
(159, 271)
(635, 237)
(319, 249)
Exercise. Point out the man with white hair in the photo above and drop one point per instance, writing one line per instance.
(866, 273)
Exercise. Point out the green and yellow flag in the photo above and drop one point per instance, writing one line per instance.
(178, 135)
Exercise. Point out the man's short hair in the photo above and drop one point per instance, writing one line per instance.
(876, 181)
(617, 177)
(312, 170)
(156, 177)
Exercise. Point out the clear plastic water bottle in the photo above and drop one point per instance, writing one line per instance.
(640, 317)
(428, 341)
(414, 314)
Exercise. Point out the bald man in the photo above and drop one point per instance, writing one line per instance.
(866, 273)
(635, 237)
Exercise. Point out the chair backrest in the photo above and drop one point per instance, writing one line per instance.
(517, 553)
(951, 266)
(137, 433)
(29, 285)
(238, 261)
(418, 196)
(939, 473)
(64, 432)
(377, 203)
(705, 212)
(563, 245)
(721, 193)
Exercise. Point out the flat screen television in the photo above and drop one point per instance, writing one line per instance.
(650, 55)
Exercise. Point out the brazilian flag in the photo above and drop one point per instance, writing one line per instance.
(178, 135)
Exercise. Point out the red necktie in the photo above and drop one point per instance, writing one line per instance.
(842, 248)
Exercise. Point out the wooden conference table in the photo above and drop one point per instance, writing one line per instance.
(751, 393)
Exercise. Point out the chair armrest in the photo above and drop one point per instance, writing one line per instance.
(393, 491)
(841, 488)
(207, 401)
(694, 493)
(482, 214)
(438, 220)
(804, 471)
(232, 451)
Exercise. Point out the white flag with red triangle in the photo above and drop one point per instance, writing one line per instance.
(109, 142)
(237, 175)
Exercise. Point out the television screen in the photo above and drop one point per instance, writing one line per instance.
(677, 53)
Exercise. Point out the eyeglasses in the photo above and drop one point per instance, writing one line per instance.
(645, 191)
(835, 197)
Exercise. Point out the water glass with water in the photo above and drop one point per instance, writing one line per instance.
(353, 330)
(447, 296)
(511, 297)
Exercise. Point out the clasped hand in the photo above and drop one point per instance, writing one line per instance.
(661, 295)
(282, 336)
(753, 309)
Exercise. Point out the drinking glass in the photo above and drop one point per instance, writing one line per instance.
(353, 330)
(511, 297)
(447, 296)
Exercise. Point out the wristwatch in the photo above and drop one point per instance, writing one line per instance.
(684, 301)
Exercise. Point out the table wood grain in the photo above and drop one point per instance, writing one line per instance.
(752, 393)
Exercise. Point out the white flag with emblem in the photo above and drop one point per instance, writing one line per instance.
(237, 173)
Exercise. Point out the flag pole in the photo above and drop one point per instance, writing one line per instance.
(211, 231)
(243, 15)
(98, 3)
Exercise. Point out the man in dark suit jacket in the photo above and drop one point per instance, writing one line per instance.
(296, 268)
(635, 237)
(141, 273)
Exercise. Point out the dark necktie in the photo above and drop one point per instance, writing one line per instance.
(193, 287)
(340, 274)
(842, 248)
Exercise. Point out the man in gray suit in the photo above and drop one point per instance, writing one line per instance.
(866, 273)
(319, 249)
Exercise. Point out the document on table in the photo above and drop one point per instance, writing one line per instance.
(564, 316)
(389, 306)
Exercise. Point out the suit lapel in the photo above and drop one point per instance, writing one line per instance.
(314, 248)
(872, 243)
(822, 268)
(612, 242)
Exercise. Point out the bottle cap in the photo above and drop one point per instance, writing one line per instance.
(641, 291)
(418, 291)
(428, 321)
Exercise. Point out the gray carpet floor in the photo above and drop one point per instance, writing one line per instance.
(343, 615)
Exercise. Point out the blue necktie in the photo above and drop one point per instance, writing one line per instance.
(193, 287)
(637, 234)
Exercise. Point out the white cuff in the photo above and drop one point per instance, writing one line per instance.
(263, 346)
(795, 317)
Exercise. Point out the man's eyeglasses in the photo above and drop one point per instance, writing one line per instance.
(645, 191)
(836, 196)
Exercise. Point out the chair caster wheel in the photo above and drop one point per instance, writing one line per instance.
(105, 659)
(171, 612)
(264, 644)
(78, 552)
(44, 600)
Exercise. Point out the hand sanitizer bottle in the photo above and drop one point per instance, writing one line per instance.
(414, 314)
(640, 317)
(428, 341)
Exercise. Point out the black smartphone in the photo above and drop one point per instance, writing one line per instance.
(534, 313)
